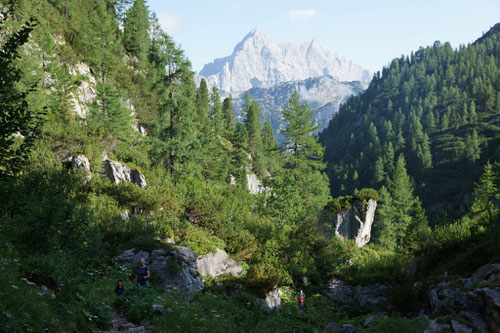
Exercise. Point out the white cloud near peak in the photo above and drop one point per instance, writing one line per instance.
(170, 23)
(301, 15)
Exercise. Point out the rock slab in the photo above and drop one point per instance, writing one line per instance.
(218, 263)
(118, 172)
(272, 301)
(174, 268)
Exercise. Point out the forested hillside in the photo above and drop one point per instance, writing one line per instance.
(109, 152)
(438, 107)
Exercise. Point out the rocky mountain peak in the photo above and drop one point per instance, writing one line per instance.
(257, 61)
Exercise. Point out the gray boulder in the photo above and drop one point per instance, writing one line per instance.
(177, 268)
(157, 309)
(435, 327)
(459, 327)
(218, 263)
(369, 321)
(130, 258)
(336, 289)
(355, 223)
(272, 300)
(489, 273)
(347, 328)
(80, 162)
(118, 172)
(331, 326)
(491, 297)
(172, 268)
(372, 294)
(477, 306)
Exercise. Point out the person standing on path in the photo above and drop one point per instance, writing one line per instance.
(143, 274)
(119, 290)
(301, 300)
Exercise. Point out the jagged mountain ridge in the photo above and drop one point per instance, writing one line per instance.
(323, 94)
(260, 62)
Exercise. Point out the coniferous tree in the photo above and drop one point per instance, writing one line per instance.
(487, 195)
(15, 116)
(216, 112)
(270, 147)
(176, 134)
(202, 108)
(108, 110)
(472, 149)
(135, 30)
(384, 228)
(302, 157)
(227, 110)
(401, 191)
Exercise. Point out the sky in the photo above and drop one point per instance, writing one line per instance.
(369, 32)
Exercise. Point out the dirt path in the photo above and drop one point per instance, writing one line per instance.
(121, 324)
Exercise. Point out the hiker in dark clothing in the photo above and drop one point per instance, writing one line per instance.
(119, 290)
(143, 274)
(301, 300)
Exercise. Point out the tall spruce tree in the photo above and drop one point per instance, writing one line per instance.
(216, 115)
(227, 110)
(135, 30)
(400, 213)
(175, 139)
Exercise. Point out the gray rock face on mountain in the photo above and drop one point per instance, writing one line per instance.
(86, 92)
(173, 268)
(355, 223)
(118, 172)
(323, 94)
(272, 300)
(259, 62)
(218, 263)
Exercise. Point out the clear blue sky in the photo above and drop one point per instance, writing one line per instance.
(369, 32)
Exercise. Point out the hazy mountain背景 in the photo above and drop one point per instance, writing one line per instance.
(110, 152)
(257, 61)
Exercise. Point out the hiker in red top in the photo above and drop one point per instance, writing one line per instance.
(301, 300)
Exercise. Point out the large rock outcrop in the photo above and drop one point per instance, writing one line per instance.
(254, 184)
(80, 162)
(118, 172)
(218, 263)
(174, 267)
(272, 301)
(86, 93)
(354, 223)
(372, 294)
(475, 301)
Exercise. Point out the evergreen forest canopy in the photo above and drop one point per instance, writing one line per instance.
(137, 103)
(439, 108)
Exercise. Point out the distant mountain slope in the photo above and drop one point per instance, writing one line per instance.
(323, 94)
(438, 107)
(259, 62)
